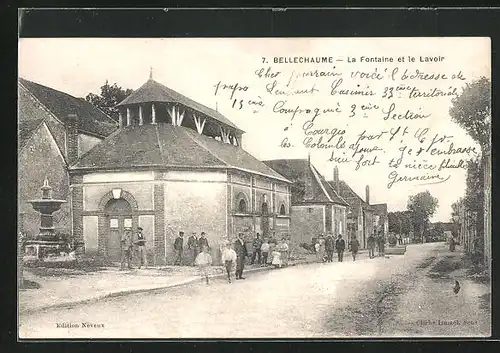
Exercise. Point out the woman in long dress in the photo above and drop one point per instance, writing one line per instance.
(276, 258)
(321, 250)
(284, 250)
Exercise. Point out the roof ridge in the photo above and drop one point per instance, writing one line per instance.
(37, 101)
(330, 183)
(55, 116)
(335, 191)
(316, 175)
(102, 111)
(363, 202)
(284, 159)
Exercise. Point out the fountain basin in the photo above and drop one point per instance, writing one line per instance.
(46, 206)
(46, 244)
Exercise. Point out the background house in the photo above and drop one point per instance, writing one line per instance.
(381, 220)
(360, 215)
(55, 128)
(316, 206)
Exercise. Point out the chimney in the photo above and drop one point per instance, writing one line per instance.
(367, 191)
(72, 138)
(336, 179)
(308, 180)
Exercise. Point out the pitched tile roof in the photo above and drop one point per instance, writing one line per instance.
(295, 170)
(331, 191)
(26, 129)
(352, 198)
(92, 120)
(163, 145)
(379, 208)
(153, 91)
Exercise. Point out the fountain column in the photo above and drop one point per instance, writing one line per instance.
(45, 242)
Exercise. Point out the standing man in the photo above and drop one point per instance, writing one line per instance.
(141, 248)
(329, 247)
(178, 246)
(354, 247)
(241, 253)
(264, 249)
(381, 245)
(203, 241)
(340, 246)
(370, 242)
(126, 247)
(452, 243)
(193, 247)
(257, 243)
(228, 259)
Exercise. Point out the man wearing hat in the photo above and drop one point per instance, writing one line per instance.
(193, 247)
(203, 241)
(241, 253)
(140, 242)
(178, 246)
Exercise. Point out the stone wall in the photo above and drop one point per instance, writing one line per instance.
(306, 222)
(40, 158)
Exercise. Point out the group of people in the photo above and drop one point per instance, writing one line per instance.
(233, 254)
(133, 245)
(375, 241)
(195, 246)
(326, 246)
(269, 251)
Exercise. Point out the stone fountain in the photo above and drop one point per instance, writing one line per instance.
(46, 242)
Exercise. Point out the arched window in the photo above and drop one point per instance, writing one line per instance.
(242, 206)
(282, 210)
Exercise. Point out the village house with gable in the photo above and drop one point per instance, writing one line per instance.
(54, 129)
(317, 209)
(360, 216)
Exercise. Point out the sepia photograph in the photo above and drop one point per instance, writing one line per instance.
(183, 188)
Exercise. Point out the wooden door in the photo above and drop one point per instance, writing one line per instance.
(117, 226)
(114, 237)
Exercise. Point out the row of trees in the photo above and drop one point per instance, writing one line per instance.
(415, 219)
(472, 111)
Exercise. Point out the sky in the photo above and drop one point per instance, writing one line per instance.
(194, 67)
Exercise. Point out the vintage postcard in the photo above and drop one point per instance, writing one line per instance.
(254, 188)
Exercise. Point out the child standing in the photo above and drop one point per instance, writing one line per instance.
(264, 250)
(276, 258)
(228, 259)
(203, 261)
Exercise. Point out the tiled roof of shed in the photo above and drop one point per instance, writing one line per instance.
(164, 145)
(153, 91)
